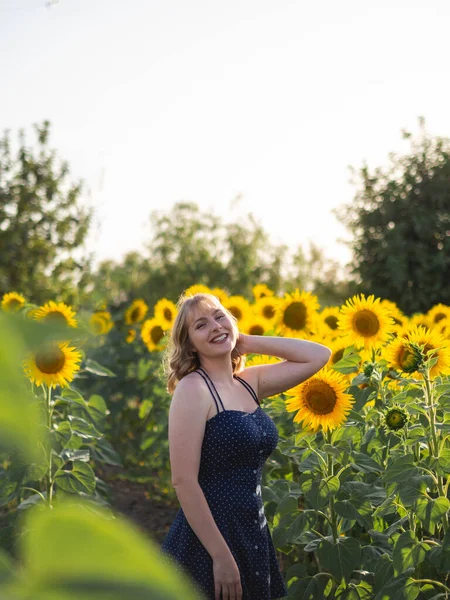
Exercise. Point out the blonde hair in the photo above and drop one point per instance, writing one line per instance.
(180, 358)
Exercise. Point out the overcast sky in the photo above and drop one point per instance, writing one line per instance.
(154, 102)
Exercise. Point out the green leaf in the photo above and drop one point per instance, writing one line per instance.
(292, 525)
(310, 588)
(20, 414)
(413, 489)
(102, 451)
(62, 434)
(360, 591)
(6, 568)
(365, 464)
(83, 429)
(318, 491)
(94, 367)
(431, 512)
(408, 552)
(349, 363)
(402, 469)
(384, 571)
(78, 551)
(402, 587)
(80, 479)
(341, 558)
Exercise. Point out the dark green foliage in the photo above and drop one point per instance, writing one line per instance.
(42, 224)
(400, 221)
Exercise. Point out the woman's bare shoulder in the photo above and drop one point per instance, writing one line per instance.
(190, 394)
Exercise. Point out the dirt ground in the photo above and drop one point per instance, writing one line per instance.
(131, 499)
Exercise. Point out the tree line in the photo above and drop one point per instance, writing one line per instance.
(399, 221)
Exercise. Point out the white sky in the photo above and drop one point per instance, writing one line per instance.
(153, 102)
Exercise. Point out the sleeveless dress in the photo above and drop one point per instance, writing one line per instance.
(235, 446)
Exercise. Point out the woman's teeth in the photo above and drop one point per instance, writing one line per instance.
(219, 339)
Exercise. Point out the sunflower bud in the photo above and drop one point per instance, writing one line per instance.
(369, 368)
(413, 357)
(395, 418)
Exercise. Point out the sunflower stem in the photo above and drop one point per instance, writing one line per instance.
(333, 518)
(49, 425)
(435, 444)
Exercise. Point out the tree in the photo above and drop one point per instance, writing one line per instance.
(189, 246)
(42, 224)
(400, 220)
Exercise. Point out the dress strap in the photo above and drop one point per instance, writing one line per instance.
(249, 388)
(211, 387)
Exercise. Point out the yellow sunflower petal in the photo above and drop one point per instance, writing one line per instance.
(57, 313)
(12, 302)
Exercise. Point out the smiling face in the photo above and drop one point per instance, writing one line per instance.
(211, 331)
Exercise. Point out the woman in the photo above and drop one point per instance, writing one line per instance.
(219, 440)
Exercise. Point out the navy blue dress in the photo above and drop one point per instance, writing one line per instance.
(236, 445)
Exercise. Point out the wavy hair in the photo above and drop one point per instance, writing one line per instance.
(180, 358)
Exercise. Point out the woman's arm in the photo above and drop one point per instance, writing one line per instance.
(302, 359)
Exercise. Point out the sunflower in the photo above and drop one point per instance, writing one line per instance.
(101, 322)
(153, 334)
(443, 328)
(239, 307)
(395, 418)
(437, 313)
(261, 290)
(297, 313)
(321, 401)
(136, 312)
(220, 294)
(400, 353)
(329, 319)
(400, 319)
(12, 302)
(54, 363)
(197, 288)
(254, 326)
(57, 313)
(266, 308)
(131, 336)
(418, 319)
(261, 359)
(366, 322)
(165, 311)
(337, 347)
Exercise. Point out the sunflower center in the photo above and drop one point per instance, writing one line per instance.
(135, 315)
(320, 398)
(256, 330)
(14, 304)
(268, 312)
(50, 359)
(295, 316)
(55, 317)
(338, 355)
(167, 314)
(396, 419)
(156, 334)
(366, 323)
(331, 321)
(236, 312)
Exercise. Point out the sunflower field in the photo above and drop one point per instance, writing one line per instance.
(356, 494)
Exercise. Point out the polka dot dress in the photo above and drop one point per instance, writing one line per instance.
(235, 447)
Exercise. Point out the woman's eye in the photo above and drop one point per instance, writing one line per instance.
(221, 316)
(200, 326)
